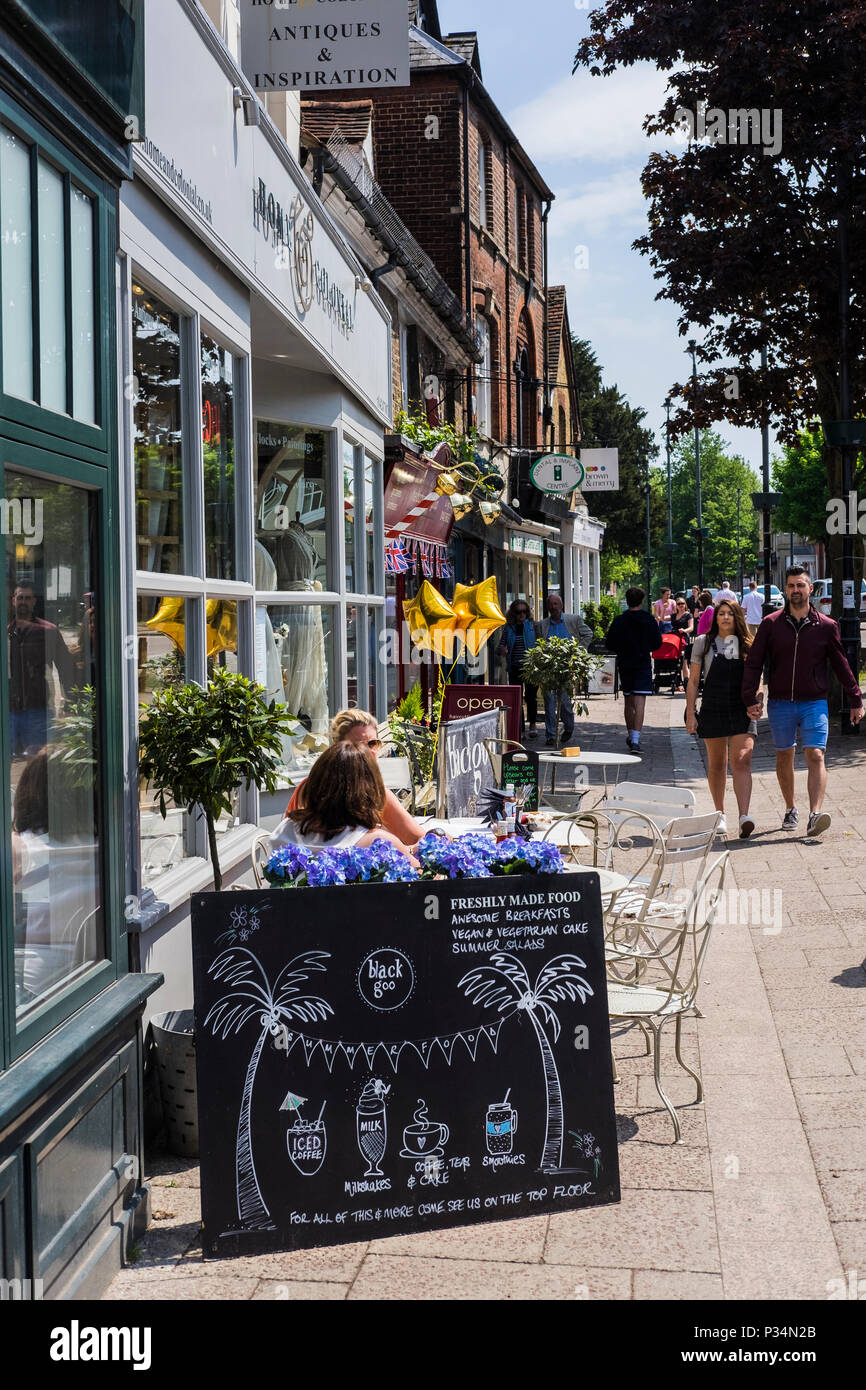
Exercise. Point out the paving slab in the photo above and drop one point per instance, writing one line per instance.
(408, 1277)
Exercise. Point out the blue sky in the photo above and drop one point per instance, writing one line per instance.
(584, 135)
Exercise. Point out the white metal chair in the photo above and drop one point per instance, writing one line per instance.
(396, 774)
(260, 855)
(663, 804)
(687, 840)
(667, 984)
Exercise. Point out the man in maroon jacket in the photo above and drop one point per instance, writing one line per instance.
(797, 645)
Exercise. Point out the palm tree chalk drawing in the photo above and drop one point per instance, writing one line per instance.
(503, 984)
(251, 996)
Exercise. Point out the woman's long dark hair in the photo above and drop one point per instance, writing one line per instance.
(740, 628)
(344, 787)
(518, 603)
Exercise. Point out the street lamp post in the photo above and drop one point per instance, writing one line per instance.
(765, 484)
(670, 510)
(693, 350)
(739, 548)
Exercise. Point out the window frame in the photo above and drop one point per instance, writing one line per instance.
(31, 413)
(193, 584)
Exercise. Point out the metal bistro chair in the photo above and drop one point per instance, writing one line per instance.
(687, 840)
(670, 978)
(663, 804)
(635, 835)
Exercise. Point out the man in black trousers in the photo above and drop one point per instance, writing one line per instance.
(633, 635)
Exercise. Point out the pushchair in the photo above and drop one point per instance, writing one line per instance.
(667, 662)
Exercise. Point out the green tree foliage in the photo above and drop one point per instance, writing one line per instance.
(618, 569)
(610, 422)
(800, 476)
(198, 746)
(744, 237)
(722, 473)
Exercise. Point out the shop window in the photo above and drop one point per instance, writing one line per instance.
(295, 663)
(54, 775)
(218, 456)
(372, 471)
(292, 504)
(162, 641)
(49, 351)
(158, 444)
(354, 582)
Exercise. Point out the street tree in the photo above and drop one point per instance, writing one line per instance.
(800, 478)
(722, 474)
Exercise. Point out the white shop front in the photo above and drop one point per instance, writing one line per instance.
(255, 383)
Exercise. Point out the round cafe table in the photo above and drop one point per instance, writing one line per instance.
(601, 759)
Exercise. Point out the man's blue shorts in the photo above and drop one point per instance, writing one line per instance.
(810, 717)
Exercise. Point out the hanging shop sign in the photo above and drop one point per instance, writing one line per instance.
(527, 545)
(445, 1062)
(556, 474)
(292, 46)
(601, 469)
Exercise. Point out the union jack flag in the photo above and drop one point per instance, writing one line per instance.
(396, 559)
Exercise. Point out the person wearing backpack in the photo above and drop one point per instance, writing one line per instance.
(723, 721)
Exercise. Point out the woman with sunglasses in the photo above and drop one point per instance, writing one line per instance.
(517, 640)
(361, 729)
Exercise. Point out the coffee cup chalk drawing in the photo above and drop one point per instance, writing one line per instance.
(424, 1137)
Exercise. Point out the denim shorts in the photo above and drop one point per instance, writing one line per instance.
(810, 717)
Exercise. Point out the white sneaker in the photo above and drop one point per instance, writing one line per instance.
(722, 827)
(747, 825)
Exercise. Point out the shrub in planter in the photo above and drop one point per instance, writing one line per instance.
(560, 663)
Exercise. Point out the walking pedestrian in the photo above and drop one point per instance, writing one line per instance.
(705, 615)
(518, 638)
(664, 609)
(797, 645)
(753, 604)
(726, 592)
(557, 703)
(723, 722)
(692, 600)
(633, 635)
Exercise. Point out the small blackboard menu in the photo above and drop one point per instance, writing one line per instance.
(521, 770)
(380, 1059)
(465, 768)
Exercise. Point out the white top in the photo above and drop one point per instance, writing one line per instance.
(725, 593)
(754, 606)
(288, 832)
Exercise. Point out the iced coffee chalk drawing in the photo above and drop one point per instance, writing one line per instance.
(425, 1096)
(306, 1140)
(500, 1126)
(424, 1138)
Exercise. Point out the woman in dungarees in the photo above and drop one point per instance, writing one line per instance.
(722, 722)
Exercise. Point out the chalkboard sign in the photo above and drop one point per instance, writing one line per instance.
(465, 769)
(521, 770)
(381, 1059)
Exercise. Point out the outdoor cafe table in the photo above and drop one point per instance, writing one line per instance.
(601, 759)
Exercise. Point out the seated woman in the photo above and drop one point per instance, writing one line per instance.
(360, 730)
(343, 804)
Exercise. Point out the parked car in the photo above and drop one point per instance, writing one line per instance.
(822, 597)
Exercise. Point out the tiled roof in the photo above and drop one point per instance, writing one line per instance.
(320, 118)
(427, 52)
(555, 323)
(466, 46)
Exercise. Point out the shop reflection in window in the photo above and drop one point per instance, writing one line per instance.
(218, 446)
(157, 446)
(54, 771)
(162, 642)
(291, 503)
(221, 645)
(353, 579)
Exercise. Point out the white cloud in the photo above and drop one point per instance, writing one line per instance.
(614, 201)
(591, 118)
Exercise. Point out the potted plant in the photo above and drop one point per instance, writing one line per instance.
(198, 746)
(560, 664)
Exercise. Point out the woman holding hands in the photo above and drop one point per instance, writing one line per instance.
(723, 721)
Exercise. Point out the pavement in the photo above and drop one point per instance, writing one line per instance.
(764, 1199)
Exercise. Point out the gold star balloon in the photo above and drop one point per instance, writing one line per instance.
(478, 612)
(221, 617)
(428, 613)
